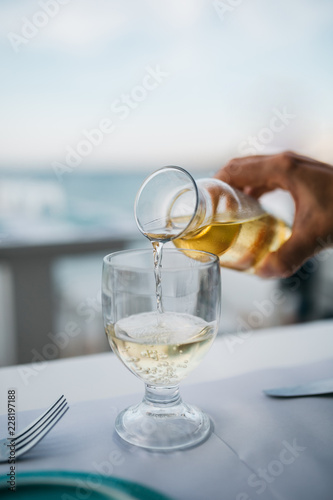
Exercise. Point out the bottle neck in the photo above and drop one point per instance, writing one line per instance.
(201, 213)
(166, 203)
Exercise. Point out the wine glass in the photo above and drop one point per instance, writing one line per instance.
(161, 345)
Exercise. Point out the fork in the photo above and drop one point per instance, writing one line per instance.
(12, 448)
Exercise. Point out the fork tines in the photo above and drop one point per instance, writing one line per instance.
(32, 434)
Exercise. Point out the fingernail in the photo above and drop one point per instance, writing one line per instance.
(266, 271)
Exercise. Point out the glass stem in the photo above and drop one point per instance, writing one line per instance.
(162, 396)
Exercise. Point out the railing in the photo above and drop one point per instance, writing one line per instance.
(33, 292)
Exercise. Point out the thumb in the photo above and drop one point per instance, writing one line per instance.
(287, 259)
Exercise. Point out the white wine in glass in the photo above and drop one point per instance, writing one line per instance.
(161, 345)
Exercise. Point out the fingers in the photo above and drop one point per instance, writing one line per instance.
(311, 185)
(287, 259)
(262, 173)
(257, 192)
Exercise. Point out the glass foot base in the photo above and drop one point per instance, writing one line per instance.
(172, 427)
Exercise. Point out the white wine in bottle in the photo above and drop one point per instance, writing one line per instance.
(239, 245)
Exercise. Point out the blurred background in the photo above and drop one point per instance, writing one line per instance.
(96, 95)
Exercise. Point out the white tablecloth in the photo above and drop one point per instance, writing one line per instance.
(261, 447)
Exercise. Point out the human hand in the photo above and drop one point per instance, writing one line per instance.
(310, 183)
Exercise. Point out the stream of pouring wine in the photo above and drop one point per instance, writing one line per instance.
(158, 253)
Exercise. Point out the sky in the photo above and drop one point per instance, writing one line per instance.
(138, 84)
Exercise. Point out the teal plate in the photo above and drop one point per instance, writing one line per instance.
(56, 485)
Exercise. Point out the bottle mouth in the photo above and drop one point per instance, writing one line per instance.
(166, 203)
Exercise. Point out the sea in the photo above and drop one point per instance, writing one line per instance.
(36, 206)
